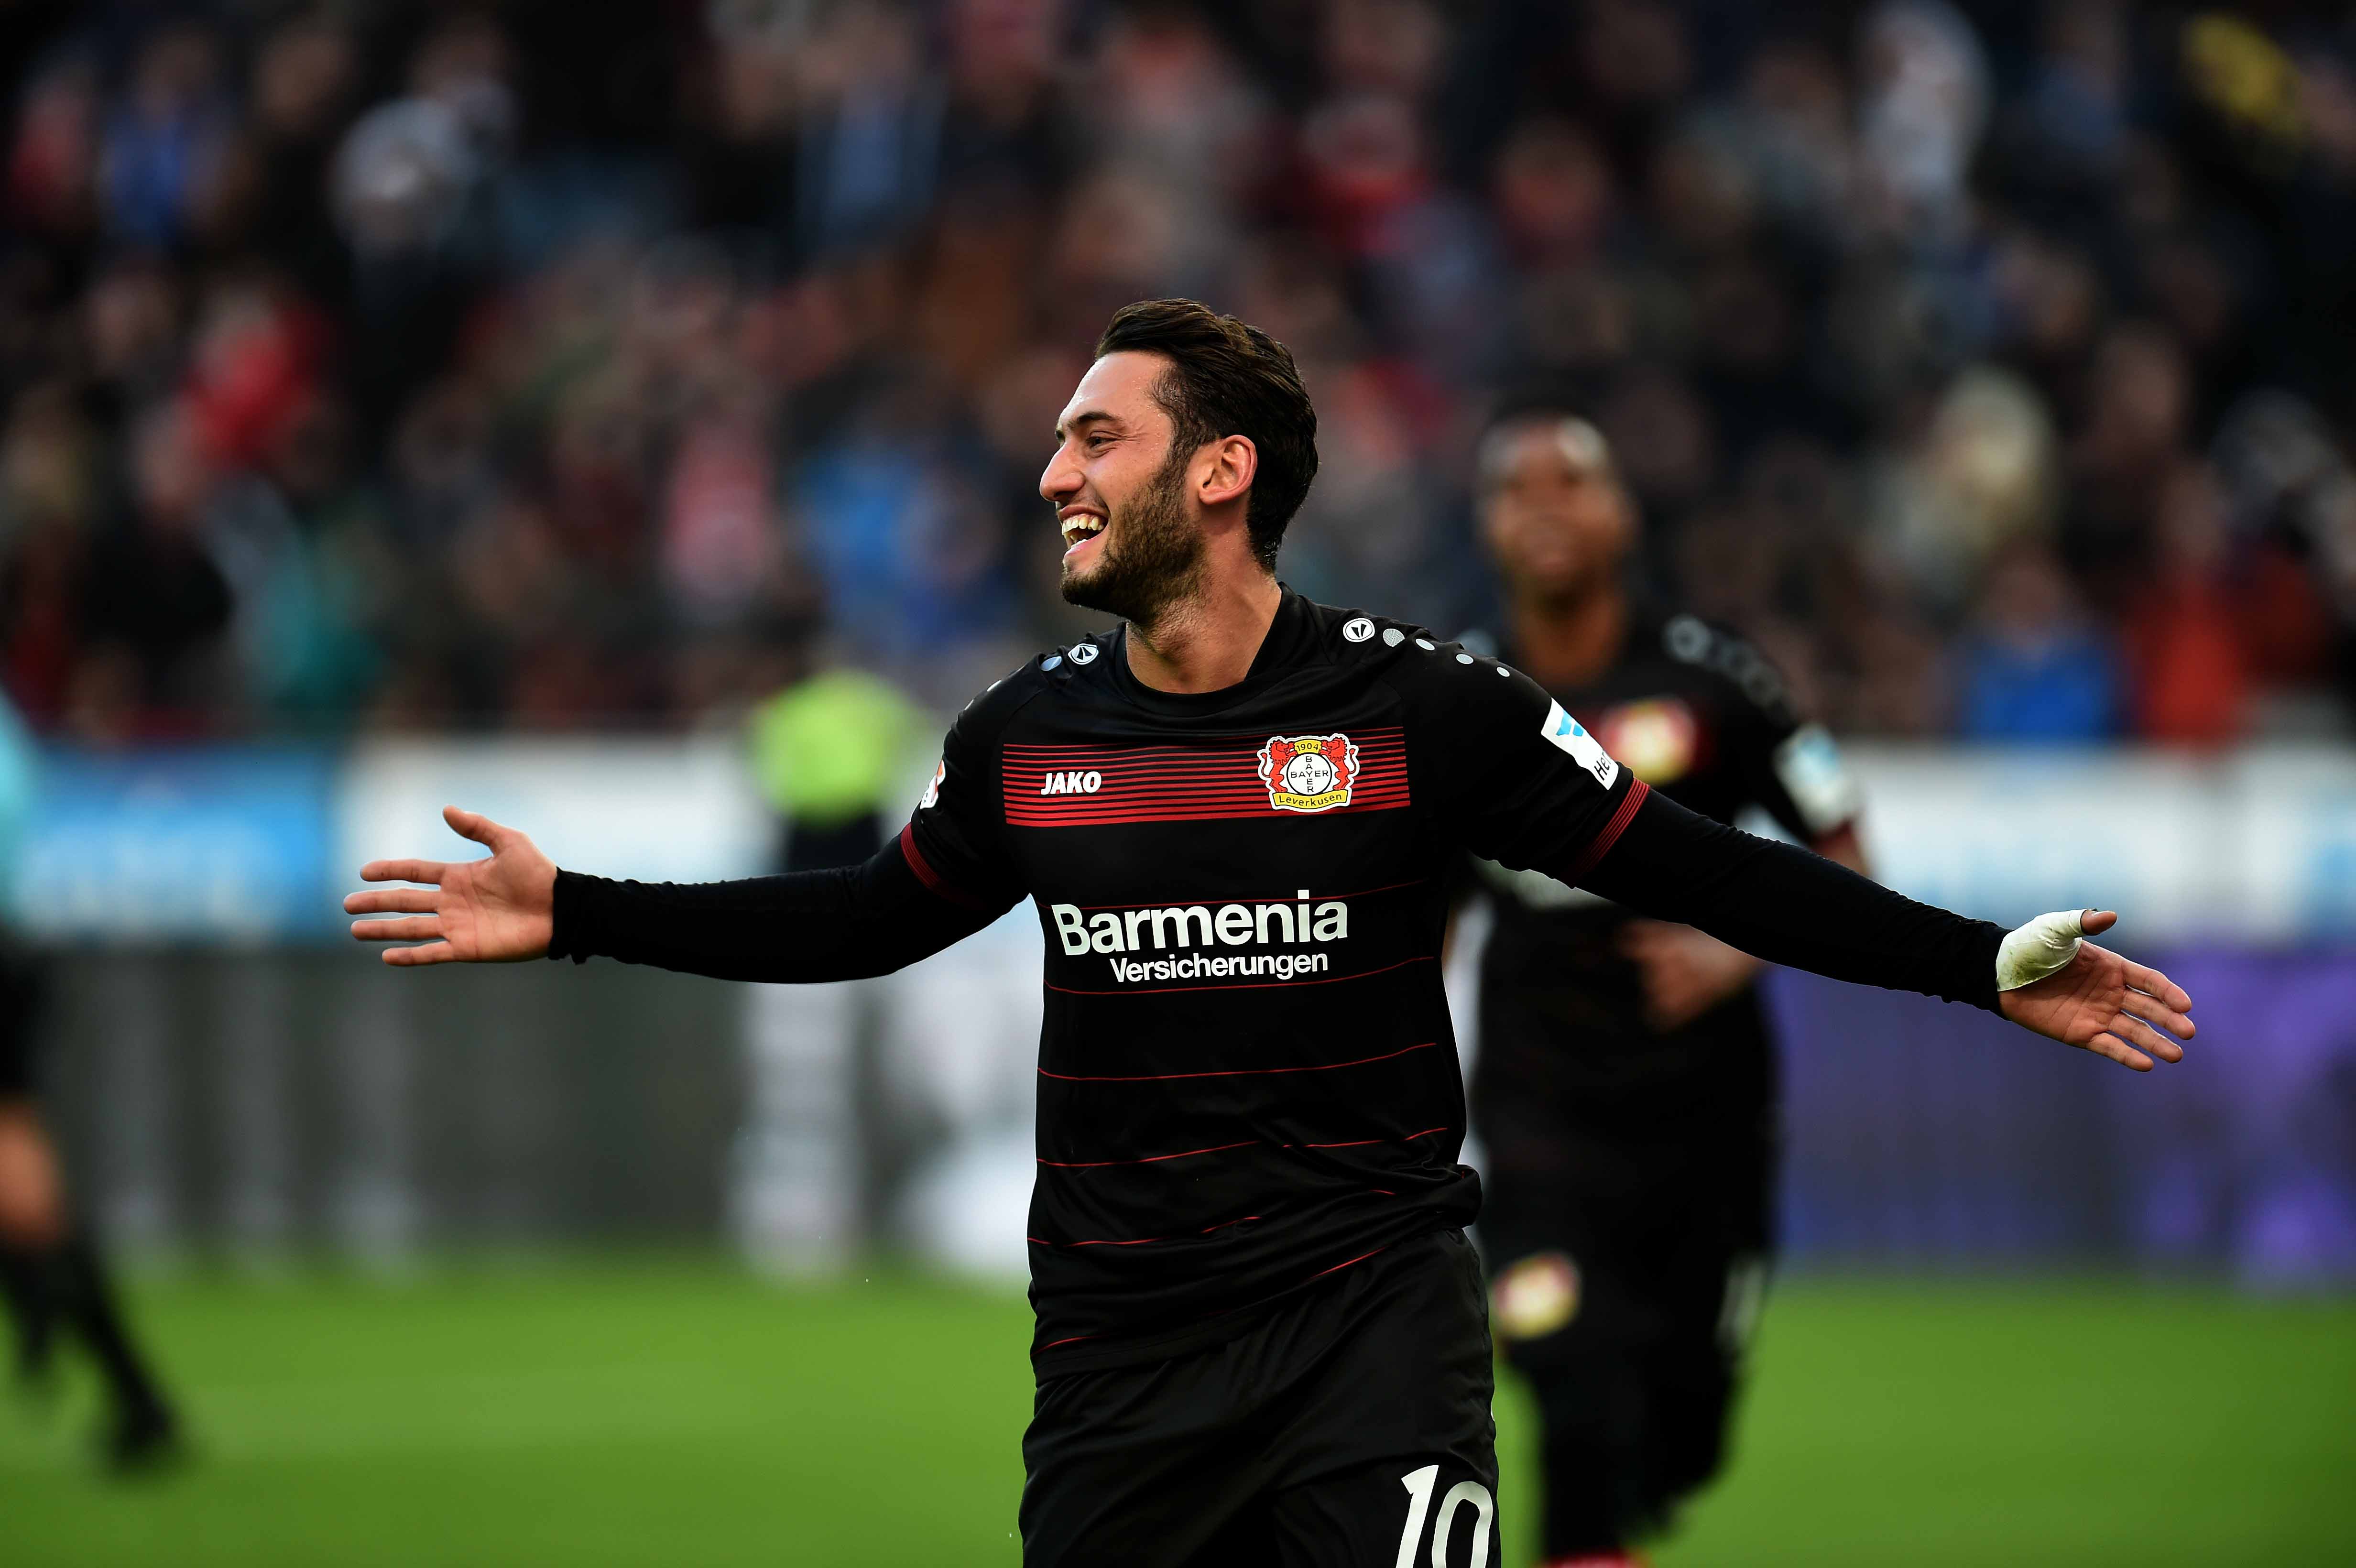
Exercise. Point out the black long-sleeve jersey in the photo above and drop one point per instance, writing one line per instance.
(1247, 1074)
(1705, 721)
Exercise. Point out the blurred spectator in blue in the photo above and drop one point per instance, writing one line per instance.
(2031, 666)
(162, 140)
(870, 133)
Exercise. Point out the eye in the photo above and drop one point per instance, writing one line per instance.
(1098, 442)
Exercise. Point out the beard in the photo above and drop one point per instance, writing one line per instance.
(1152, 554)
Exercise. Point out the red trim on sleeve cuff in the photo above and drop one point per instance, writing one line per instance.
(1601, 845)
(934, 882)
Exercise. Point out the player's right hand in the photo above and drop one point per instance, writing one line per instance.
(499, 910)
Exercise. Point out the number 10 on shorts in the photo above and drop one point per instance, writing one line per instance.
(1418, 1485)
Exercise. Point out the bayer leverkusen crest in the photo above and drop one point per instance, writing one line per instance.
(1308, 773)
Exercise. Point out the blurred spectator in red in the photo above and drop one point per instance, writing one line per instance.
(2191, 672)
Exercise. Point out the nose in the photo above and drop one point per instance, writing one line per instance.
(1061, 479)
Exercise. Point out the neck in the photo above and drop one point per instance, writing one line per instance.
(1568, 639)
(1206, 641)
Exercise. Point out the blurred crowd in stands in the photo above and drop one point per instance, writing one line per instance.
(554, 365)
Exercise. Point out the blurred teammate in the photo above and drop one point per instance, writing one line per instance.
(1262, 1337)
(1625, 1091)
(50, 1271)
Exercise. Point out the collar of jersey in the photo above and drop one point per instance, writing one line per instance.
(1291, 637)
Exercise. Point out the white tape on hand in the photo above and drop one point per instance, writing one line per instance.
(2043, 946)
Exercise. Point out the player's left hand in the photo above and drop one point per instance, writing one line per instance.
(1685, 972)
(2101, 1002)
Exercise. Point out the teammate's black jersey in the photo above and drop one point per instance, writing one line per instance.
(1702, 718)
(1246, 1073)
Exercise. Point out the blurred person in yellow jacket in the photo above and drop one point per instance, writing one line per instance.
(829, 752)
(49, 1270)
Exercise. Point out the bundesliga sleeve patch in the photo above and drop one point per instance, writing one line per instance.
(1565, 734)
(1308, 773)
(1809, 767)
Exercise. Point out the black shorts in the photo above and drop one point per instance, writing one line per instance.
(1346, 1428)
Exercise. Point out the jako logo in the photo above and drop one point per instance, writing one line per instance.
(1073, 782)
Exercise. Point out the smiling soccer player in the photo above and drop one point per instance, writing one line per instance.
(1261, 1330)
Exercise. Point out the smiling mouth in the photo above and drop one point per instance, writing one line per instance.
(1080, 527)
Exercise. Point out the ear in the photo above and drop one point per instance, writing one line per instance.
(1224, 469)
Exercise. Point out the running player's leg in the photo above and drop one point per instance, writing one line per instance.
(57, 1279)
(28, 1211)
(1696, 1371)
(1389, 1454)
(1598, 1419)
(143, 1428)
(31, 1210)
(1713, 1292)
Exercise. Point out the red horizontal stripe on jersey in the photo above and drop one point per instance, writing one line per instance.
(1232, 1071)
(1248, 787)
(1181, 784)
(1149, 1240)
(1113, 783)
(1168, 762)
(1224, 1149)
(1225, 800)
(1362, 1143)
(1148, 1159)
(1245, 770)
(1361, 893)
(1120, 818)
(1255, 985)
(1251, 796)
(1337, 1268)
(1019, 789)
(1360, 738)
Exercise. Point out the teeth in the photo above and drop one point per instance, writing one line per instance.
(1081, 526)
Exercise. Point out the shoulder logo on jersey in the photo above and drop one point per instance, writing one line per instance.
(1357, 629)
(1084, 653)
(1809, 767)
(932, 795)
(1308, 773)
(1565, 734)
(1657, 738)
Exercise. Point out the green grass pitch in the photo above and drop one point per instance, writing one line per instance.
(672, 1410)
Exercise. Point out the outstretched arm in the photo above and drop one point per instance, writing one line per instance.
(1790, 907)
(843, 925)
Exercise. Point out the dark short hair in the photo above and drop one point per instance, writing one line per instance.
(1536, 404)
(1227, 377)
